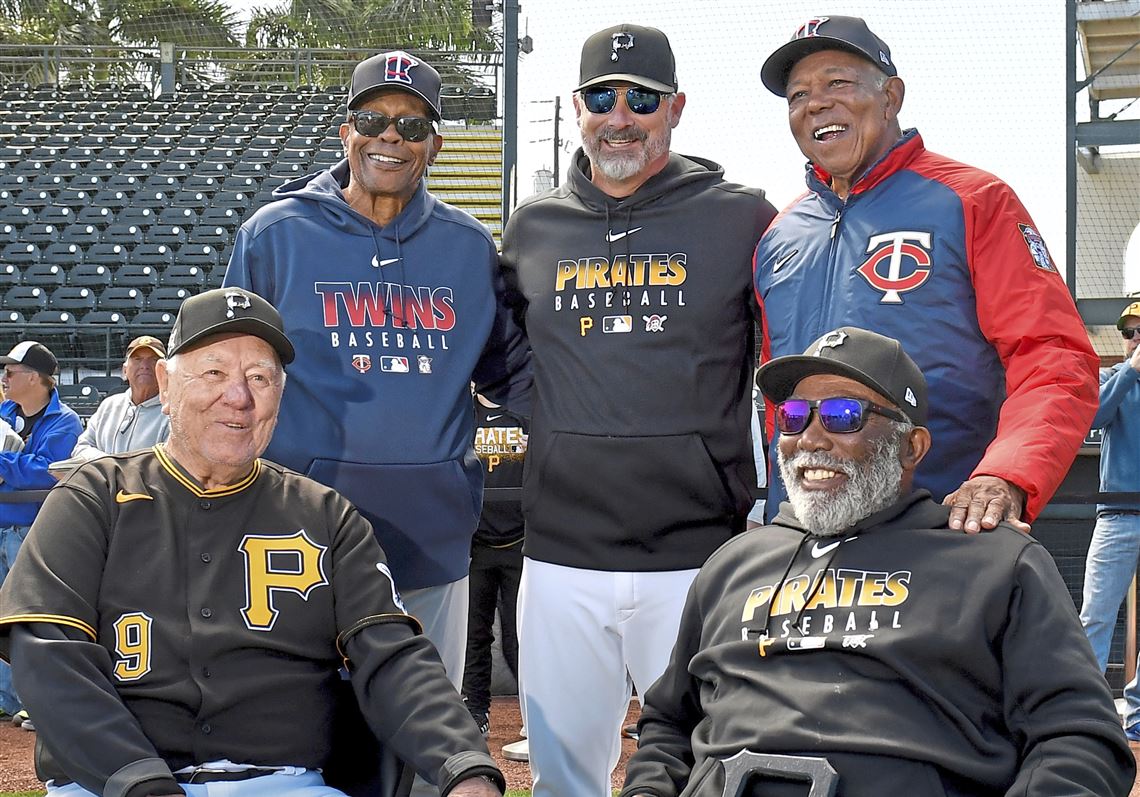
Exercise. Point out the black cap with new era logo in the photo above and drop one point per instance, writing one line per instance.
(849, 34)
(867, 357)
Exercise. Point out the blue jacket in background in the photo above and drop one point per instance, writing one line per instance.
(391, 325)
(1119, 416)
(51, 440)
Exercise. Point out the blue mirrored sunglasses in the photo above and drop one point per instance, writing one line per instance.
(603, 99)
(839, 415)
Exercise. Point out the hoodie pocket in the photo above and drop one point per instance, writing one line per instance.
(634, 487)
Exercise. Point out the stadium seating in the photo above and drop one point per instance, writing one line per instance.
(115, 203)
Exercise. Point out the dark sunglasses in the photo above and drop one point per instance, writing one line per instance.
(1130, 332)
(839, 415)
(410, 128)
(603, 99)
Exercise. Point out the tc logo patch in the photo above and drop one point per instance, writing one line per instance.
(362, 363)
(810, 29)
(397, 67)
(893, 248)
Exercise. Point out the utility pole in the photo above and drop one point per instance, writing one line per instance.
(510, 100)
(557, 138)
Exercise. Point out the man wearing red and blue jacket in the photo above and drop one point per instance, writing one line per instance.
(937, 254)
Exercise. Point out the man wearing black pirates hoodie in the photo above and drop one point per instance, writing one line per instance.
(859, 638)
(632, 282)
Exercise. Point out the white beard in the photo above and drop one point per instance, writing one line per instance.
(869, 487)
(619, 166)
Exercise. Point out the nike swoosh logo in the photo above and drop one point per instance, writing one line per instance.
(122, 497)
(612, 236)
(493, 417)
(817, 550)
(783, 261)
(377, 263)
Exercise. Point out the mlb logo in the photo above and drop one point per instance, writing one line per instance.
(394, 365)
(362, 363)
(617, 323)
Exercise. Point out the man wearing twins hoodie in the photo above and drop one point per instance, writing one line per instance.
(632, 281)
(393, 298)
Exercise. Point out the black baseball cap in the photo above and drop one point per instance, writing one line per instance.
(632, 53)
(850, 34)
(867, 357)
(228, 310)
(34, 355)
(395, 70)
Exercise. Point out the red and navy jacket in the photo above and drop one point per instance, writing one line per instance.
(944, 258)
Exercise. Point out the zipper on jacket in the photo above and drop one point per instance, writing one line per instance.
(829, 284)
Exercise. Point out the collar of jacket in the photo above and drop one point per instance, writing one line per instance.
(901, 153)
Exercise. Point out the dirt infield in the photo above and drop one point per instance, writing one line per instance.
(17, 772)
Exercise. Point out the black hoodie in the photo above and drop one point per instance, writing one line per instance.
(919, 661)
(640, 315)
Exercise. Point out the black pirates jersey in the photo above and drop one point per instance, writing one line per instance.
(226, 614)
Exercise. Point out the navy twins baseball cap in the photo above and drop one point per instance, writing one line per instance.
(867, 357)
(395, 70)
(849, 34)
(632, 53)
(228, 310)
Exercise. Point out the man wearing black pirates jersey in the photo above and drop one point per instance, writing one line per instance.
(178, 618)
(858, 637)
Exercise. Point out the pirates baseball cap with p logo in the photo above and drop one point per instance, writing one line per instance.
(867, 357)
(395, 70)
(849, 34)
(630, 53)
(228, 310)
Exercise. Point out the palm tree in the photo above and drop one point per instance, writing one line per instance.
(363, 27)
(88, 33)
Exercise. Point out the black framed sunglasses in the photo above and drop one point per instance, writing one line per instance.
(410, 128)
(603, 99)
(839, 414)
(1130, 332)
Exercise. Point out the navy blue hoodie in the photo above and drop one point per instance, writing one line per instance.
(391, 325)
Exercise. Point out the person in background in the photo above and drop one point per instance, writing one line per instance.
(1115, 546)
(132, 419)
(496, 555)
(48, 430)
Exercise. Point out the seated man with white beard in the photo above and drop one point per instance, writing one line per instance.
(858, 637)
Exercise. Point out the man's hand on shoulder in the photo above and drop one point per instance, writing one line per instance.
(984, 501)
(475, 787)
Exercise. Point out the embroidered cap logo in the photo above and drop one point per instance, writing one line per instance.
(236, 301)
(620, 41)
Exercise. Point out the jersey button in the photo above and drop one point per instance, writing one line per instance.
(206, 728)
(205, 557)
(206, 672)
(205, 504)
(207, 612)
